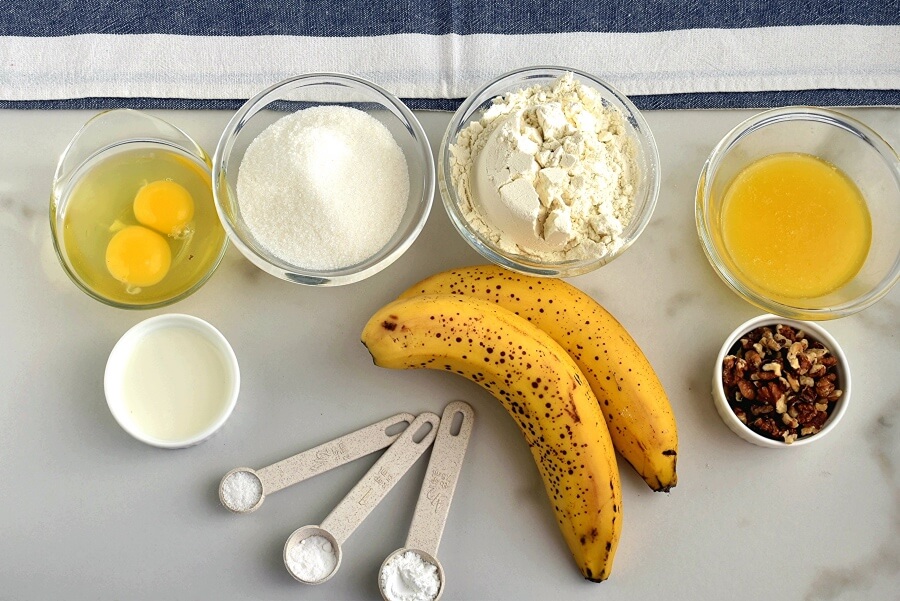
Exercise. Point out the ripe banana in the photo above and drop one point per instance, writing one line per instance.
(634, 403)
(542, 389)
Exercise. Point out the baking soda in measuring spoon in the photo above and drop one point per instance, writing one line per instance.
(313, 559)
(323, 188)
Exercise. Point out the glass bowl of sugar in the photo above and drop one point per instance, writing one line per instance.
(323, 179)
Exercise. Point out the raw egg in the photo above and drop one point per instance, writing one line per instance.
(138, 257)
(165, 206)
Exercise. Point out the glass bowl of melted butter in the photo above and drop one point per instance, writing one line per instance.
(132, 214)
(798, 211)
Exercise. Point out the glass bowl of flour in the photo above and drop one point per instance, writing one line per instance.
(549, 171)
(323, 179)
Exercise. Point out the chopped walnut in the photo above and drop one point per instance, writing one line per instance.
(768, 426)
(817, 370)
(773, 367)
(781, 373)
(824, 388)
(805, 364)
(808, 394)
(793, 383)
(753, 358)
(787, 332)
(805, 412)
(781, 404)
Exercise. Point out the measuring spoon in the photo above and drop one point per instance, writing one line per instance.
(362, 498)
(433, 504)
(312, 462)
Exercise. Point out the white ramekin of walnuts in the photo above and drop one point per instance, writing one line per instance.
(781, 382)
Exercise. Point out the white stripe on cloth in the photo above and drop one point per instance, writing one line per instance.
(451, 66)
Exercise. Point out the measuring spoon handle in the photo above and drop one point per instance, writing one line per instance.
(380, 478)
(433, 504)
(331, 454)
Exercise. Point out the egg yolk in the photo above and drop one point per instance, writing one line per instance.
(164, 206)
(138, 257)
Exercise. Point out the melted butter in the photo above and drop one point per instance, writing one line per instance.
(795, 226)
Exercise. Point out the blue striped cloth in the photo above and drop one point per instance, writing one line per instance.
(432, 53)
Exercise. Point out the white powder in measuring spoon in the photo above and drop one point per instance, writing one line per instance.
(408, 577)
(312, 559)
(241, 491)
(323, 188)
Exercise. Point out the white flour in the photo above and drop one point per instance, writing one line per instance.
(323, 188)
(548, 172)
(408, 577)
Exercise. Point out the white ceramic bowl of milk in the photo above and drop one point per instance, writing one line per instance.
(172, 381)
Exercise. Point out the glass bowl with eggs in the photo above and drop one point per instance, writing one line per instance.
(132, 214)
(549, 171)
(323, 179)
(798, 212)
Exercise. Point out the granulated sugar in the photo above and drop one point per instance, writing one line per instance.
(241, 491)
(323, 188)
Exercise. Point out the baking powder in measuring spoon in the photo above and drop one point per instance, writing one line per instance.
(408, 576)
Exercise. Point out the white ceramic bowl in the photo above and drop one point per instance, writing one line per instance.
(814, 332)
(215, 414)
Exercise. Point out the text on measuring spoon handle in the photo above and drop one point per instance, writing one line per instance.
(333, 453)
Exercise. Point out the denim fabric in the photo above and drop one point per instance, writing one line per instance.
(339, 18)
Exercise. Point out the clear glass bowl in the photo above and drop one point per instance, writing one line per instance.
(647, 161)
(844, 142)
(104, 137)
(318, 89)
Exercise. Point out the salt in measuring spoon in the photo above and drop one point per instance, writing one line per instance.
(307, 464)
(432, 507)
(362, 498)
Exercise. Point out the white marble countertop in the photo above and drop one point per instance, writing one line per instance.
(88, 512)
